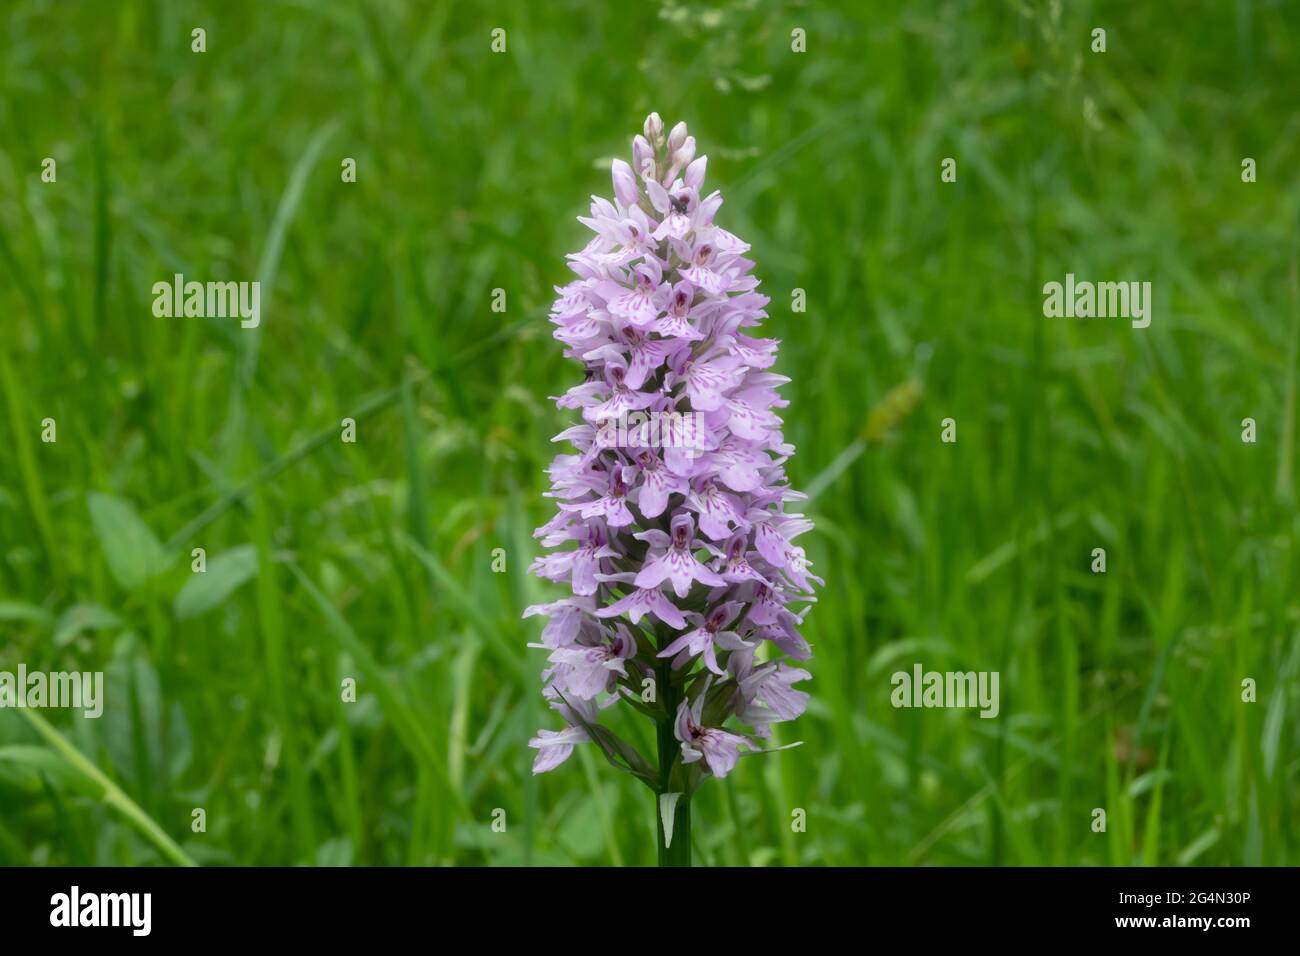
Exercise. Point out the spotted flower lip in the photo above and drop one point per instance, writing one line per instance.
(707, 637)
(675, 542)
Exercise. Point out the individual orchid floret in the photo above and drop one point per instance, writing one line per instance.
(707, 636)
(673, 559)
(586, 670)
(556, 746)
(764, 693)
(720, 749)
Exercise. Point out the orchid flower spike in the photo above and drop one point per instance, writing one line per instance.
(671, 532)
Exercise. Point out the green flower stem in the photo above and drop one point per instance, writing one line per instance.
(112, 794)
(679, 853)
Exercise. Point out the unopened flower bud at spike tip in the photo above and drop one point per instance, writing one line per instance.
(654, 130)
(685, 153)
(624, 184)
(671, 531)
(681, 157)
(677, 137)
(643, 157)
(694, 175)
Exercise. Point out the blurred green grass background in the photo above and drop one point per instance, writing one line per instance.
(373, 560)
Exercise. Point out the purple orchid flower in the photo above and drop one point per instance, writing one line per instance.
(720, 749)
(701, 641)
(674, 559)
(671, 529)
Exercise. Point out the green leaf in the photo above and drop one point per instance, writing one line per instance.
(34, 758)
(19, 611)
(1199, 846)
(34, 770)
(667, 806)
(580, 833)
(205, 590)
(612, 744)
(179, 744)
(334, 853)
(133, 552)
(1272, 735)
(79, 618)
(131, 733)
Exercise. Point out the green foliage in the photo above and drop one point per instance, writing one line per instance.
(373, 561)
